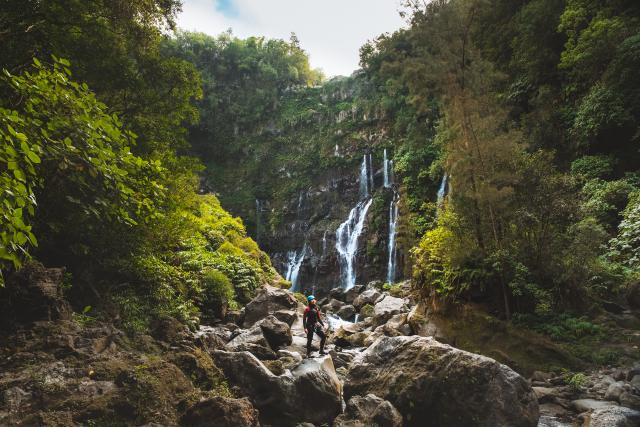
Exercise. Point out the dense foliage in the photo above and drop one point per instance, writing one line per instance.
(93, 165)
(537, 124)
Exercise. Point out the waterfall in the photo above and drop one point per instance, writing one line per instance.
(385, 165)
(294, 261)
(299, 208)
(370, 173)
(324, 244)
(355, 320)
(442, 191)
(364, 178)
(393, 222)
(347, 241)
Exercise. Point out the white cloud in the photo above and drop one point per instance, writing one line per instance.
(331, 31)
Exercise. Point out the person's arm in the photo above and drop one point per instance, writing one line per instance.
(304, 319)
(319, 317)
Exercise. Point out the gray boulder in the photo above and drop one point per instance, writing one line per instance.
(221, 411)
(387, 308)
(346, 312)
(253, 341)
(615, 390)
(433, 384)
(352, 294)
(369, 411)
(277, 333)
(285, 399)
(269, 300)
(370, 296)
(614, 416)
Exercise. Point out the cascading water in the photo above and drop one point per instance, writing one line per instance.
(442, 191)
(347, 242)
(385, 167)
(393, 222)
(294, 261)
(364, 178)
(324, 244)
(370, 173)
(349, 231)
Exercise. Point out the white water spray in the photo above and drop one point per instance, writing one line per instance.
(364, 178)
(391, 247)
(347, 242)
(294, 261)
(386, 164)
(442, 191)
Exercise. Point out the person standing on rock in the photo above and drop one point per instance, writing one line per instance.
(312, 322)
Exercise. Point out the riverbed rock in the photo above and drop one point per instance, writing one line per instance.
(32, 294)
(433, 384)
(367, 411)
(614, 416)
(351, 294)
(277, 333)
(388, 307)
(346, 312)
(584, 405)
(630, 400)
(268, 301)
(286, 316)
(615, 390)
(285, 399)
(253, 341)
(370, 296)
(221, 411)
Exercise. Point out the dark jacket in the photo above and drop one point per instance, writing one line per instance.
(311, 317)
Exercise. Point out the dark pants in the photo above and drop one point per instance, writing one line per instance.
(318, 330)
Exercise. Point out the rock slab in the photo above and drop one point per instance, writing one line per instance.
(433, 384)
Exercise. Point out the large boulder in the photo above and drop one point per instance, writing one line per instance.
(33, 294)
(277, 333)
(433, 384)
(253, 341)
(309, 393)
(351, 294)
(346, 312)
(369, 411)
(614, 416)
(221, 411)
(387, 308)
(269, 300)
(370, 296)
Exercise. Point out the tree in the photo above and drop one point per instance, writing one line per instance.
(66, 162)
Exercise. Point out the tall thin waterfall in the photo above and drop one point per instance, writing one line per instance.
(364, 178)
(391, 246)
(294, 261)
(442, 191)
(386, 165)
(370, 173)
(347, 241)
(324, 244)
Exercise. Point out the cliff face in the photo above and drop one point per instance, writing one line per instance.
(305, 247)
(307, 172)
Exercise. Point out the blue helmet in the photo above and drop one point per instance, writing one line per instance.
(310, 298)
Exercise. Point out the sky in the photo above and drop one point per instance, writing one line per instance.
(331, 31)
